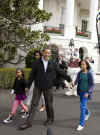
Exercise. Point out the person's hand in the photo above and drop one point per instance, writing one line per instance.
(12, 91)
(71, 84)
(79, 59)
(86, 95)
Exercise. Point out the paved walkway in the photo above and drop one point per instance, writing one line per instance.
(66, 116)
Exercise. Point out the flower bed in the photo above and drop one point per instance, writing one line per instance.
(55, 30)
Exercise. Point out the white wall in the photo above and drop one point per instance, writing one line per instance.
(78, 18)
(54, 6)
(76, 14)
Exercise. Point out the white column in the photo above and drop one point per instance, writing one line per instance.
(40, 25)
(40, 4)
(69, 29)
(92, 19)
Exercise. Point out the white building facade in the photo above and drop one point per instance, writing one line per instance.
(73, 19)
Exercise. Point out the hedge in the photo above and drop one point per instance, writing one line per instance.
(7, 76)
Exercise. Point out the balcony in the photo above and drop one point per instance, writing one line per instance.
(55, 30)
(83, 34)
(60, 31)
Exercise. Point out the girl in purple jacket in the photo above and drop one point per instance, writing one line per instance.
(85, 86)
(20, 95)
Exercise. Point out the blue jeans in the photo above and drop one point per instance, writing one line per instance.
(83, 108)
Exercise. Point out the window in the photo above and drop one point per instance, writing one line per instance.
(84, 25)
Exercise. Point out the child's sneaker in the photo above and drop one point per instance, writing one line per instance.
(87, 116)
(8, 120)
(79, 128)
(25, 115)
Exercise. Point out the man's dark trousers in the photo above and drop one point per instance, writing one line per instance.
(48, 96)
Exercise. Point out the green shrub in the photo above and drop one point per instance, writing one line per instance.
(7, 76)
(30, 57)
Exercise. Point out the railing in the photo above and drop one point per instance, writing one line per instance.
(55, 30)
(86, 34)
(60, 31)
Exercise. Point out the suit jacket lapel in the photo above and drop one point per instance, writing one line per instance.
(42, 65)
(48, 65)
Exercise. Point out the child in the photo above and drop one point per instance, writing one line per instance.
(85, 85)
(20, 95)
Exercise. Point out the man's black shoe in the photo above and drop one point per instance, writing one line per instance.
(48, 122)
(25, 126)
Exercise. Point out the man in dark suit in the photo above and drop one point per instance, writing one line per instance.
(43, 74)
